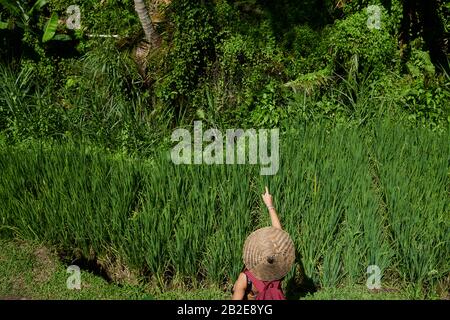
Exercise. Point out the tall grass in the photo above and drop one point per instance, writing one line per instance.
(414, 171)
(349, 198)
(26, 109)
(101, 101)
(326, 199)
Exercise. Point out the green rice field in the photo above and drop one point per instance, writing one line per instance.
(349, 197)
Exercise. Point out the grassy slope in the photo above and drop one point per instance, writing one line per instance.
(34, 272)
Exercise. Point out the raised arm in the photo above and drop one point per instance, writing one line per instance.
(267, 198)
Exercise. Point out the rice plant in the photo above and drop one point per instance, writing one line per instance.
(414, 166)
(349, 198)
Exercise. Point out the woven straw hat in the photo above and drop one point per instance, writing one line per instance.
(269, 253)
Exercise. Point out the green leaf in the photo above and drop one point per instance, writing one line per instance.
(3, 25)
(62, 37)
(37, 5)
(12, 7)
(50, 27)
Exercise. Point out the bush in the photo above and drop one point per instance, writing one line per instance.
(350, 39)
(26, 108)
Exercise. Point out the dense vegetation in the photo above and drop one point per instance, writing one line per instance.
(230, 63)
(364, 113)
(348, 199)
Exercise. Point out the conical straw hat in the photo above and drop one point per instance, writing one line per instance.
(269, 253)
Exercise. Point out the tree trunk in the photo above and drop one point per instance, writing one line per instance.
(150, 33)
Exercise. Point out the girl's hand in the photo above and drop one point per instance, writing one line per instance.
(267, 198)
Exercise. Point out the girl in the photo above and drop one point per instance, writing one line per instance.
(268, 256)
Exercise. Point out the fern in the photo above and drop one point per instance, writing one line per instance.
(311, 81)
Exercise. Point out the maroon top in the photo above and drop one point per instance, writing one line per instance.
(267, 290)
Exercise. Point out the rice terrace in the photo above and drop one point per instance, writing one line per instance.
(142, 142)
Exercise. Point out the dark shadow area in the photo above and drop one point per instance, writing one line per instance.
(63, 49)
(387, 4)
(285, 14)
(10, 45)
(421, 18)
(300, 285)
(90, 265)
